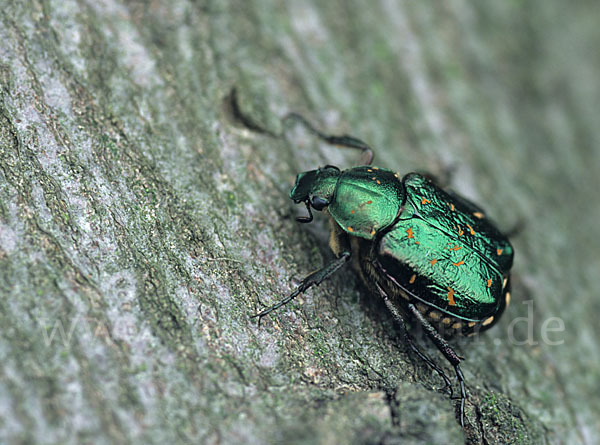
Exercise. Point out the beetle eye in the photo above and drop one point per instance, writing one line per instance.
(319, 203)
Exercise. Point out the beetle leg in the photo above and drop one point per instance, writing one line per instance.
(448, 352)
(469, 205)
(408, 339)
(516, 229)
(344, 140)
(443, 178)
(314, 279)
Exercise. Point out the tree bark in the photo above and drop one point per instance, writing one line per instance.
(144, 217)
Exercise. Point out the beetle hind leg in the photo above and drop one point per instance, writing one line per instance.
(443, 177)
(314, 279)
(408, 340)
(448, 352)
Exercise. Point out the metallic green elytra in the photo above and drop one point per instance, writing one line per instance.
(430, 254)
(460, 259)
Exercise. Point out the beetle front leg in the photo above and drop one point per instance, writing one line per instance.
(448, 352)
(343, 141)
(314, 279)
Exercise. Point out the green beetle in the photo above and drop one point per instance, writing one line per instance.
(430, 254)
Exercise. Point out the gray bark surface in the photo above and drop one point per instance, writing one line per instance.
(142, 222)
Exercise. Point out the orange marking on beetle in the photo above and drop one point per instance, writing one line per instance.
(350, 229)
(416, 242)
(410, 233)
(478, 215)
(412, 279)
(435, 315)
(433, 261)
(352, 211)
(456, 248)
(425, 201)
(489, 282)
(375, 168)
(451, 301)
(378, 181)
(488, 321)
(471, 230)
(460, 232)
(373, 231)
(452, 207)
(499, 251)
(460, 263)
(369, 202)
(369, 170)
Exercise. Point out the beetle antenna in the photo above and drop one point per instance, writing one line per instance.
(306, 219)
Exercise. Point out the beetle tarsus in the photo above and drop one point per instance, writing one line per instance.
(463, 394)
(235, 112)
(343, 140)
(448, 352)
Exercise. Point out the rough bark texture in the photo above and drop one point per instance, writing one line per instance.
(142, 222)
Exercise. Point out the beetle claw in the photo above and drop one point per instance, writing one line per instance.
(448, 387)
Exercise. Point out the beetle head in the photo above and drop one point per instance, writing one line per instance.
(315, 189)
